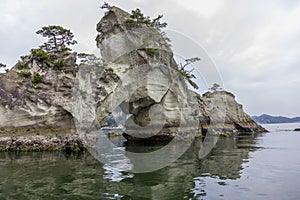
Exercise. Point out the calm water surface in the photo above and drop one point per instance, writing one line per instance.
(265, 166)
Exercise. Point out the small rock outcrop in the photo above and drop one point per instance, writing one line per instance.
(233, 119)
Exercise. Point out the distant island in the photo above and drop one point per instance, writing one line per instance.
(268, 119)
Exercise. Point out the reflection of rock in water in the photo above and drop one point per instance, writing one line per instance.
(224, 162)
(111, 153)
(48, 175)
(53, 175)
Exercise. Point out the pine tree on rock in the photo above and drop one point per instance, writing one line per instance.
(59, 38)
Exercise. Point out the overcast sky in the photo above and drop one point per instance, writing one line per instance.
(255, 44)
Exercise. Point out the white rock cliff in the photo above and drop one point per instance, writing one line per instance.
(139, 75)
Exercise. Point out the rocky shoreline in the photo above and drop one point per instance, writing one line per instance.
(67, 143)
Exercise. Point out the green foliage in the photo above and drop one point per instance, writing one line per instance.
(22, 65)
(89, 59)
(59, 38)
(129, 21)
(23, 58)
(105, 6)
(188, 74)
(193, 84)
(137, 17)
(152, 51)
(226, 134)
(2, 65)
(82, 92)
(110, 69)
(215, 87)
(40, 55)
(208, 95)
(65, 50)
(37, 78)
(59, 63)
(25, 74)
(157, 24)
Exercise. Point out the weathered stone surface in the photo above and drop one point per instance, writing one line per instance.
(150, 82)
(232, 118)
(58, 106)
(45, 107)
(70, 60)
(141, 77)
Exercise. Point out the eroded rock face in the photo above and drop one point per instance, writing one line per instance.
(59, 106)
(150, 87)
(27, 108)
(141, 78)
(233, 118)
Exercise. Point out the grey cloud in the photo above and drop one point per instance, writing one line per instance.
(254, 43)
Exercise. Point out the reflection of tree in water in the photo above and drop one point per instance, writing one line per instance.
(57, 176)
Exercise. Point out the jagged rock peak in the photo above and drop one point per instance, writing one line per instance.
(120, 37)
(114, 16)
(150, 83)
